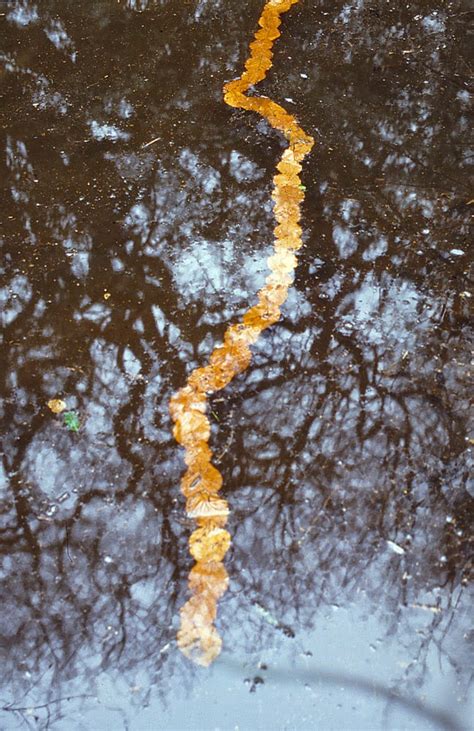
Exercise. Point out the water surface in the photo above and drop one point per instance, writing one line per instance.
(136, 221)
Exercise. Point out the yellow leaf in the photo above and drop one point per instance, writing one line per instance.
(201, 478)
(197, 637)
(56, 405)
(210, 577)
(206, 505)
(209, 543)
(191, 427)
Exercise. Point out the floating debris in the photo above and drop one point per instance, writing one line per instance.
(56, 405)
(267, 616)
(395, 548)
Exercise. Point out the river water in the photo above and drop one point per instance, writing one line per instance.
(135, 223)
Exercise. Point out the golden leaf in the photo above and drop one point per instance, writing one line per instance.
(197, 637)
(219, 521)
(210, 577)
(240, 334)
(202, 477)
(273, 297)
(197, 453)
(192, 426)
(267, 33)
(261, 47)
(208, 379)
(206, 505)
(209, 543)
(283, 261)
(56, 405)
(257, 67)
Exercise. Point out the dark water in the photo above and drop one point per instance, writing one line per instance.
(135, 224)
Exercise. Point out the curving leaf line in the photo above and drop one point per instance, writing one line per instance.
(197, 637)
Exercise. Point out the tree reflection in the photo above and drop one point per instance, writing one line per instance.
(345, 447)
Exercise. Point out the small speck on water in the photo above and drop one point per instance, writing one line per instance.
(395, 548)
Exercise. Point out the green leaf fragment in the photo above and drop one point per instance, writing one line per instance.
(71, 420)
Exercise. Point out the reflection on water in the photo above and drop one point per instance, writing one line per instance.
(346, 447)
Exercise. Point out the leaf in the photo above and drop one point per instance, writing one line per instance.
(206, 505)
(192, 426)
(202, 477)
(209, 577)
(209, 543)
(56, 405)
(71, 420)
(197, 637)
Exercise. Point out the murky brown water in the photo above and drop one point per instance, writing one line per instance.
(345, 447)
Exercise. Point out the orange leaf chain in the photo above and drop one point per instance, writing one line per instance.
(198, 637)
